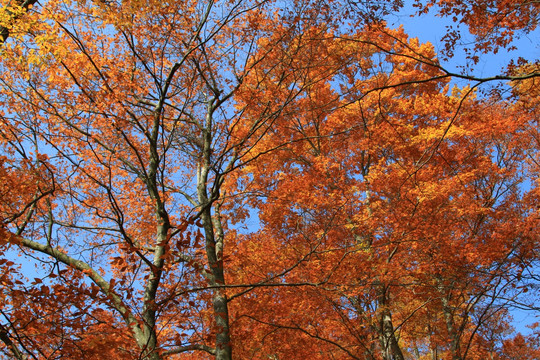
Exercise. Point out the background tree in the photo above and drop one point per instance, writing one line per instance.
(397, 209)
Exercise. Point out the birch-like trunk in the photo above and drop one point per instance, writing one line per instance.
(389, 342)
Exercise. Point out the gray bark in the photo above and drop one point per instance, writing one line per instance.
(389, 342)
(213, 233)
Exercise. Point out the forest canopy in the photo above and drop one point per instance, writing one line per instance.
(265, 180)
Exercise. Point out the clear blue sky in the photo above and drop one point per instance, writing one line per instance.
(429, 28)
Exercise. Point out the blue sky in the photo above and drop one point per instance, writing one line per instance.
(429, 28)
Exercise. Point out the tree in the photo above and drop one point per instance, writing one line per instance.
(140, 139)
(407, 229)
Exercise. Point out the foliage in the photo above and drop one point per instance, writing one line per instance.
(269, 180)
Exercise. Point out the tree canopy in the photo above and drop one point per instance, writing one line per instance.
(264, 180)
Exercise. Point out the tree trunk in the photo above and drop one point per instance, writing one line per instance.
(449, 319)
(389, 342)
(214, 237)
